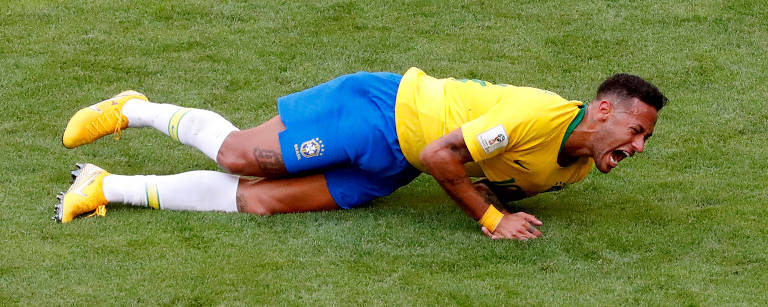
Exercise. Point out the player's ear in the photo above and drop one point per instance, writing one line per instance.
(604, 109)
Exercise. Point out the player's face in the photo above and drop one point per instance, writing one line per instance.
(625, 129)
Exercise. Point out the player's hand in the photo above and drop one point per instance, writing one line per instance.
(519, 226)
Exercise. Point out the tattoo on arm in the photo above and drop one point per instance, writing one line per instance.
(270, 162)
(483, 186)
(444, 159)
(490, 197)
(454, 141)
(242, 204)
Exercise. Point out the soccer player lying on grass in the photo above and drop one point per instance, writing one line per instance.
(361, 136)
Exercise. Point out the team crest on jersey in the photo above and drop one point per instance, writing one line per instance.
(312, 148)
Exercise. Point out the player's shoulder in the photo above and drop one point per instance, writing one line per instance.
(414, 73)
(539, 96)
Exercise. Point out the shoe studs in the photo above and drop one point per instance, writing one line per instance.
(57, 209)
(76, 172)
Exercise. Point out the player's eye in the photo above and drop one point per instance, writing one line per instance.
(647, 136)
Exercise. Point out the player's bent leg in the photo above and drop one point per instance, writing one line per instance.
(255, 151)
(262, 196)
(202, 129)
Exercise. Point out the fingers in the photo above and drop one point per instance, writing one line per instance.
(522, 236)
(490, 234)
(518, 226)
(525, 232)
(495, 236)
(529, 218)
(529, 232)
(536, 232)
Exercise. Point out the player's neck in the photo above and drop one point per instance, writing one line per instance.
(578, 143)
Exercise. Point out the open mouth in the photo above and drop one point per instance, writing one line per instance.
(618, 155)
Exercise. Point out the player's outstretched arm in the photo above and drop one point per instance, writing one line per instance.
(444, 159)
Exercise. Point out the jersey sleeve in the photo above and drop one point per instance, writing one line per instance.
(504, 126)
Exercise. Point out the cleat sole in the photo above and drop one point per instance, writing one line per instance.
(57, 212)
(77, 171)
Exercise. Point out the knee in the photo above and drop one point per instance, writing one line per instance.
(256, 204)
(242, 155)
(231, 160)
(232, 156)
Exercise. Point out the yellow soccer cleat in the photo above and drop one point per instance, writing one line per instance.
(104, 118)
(84, 195)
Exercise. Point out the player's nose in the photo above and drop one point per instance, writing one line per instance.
(638, 144)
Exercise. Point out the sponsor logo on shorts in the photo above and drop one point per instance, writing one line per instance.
(309, 149)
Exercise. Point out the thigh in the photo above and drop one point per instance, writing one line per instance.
(348, 121)
(255, 151)
(263, 196)
(352, 187)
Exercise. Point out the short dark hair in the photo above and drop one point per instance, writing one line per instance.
(631, 86)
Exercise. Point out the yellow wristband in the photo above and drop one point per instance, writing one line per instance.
(491, 218)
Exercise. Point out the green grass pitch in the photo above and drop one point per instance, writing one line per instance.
(684, 223)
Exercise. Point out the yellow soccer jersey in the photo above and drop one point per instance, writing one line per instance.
(514, 134)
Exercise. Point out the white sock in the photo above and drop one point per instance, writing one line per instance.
(202, 129)
(190, 191)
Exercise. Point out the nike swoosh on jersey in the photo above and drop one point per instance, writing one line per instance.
(520, 164)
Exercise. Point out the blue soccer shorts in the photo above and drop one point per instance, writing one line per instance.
(345, 128)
